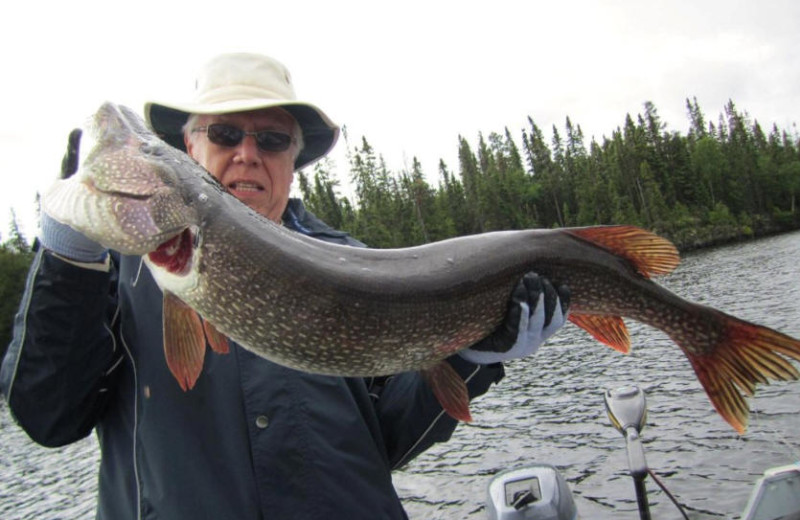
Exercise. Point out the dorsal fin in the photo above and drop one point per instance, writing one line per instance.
(649, 253)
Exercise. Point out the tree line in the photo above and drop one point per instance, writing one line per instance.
(719, 181)
(722, 180)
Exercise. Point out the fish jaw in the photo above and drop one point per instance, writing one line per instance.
(128, 194)
(129, 225)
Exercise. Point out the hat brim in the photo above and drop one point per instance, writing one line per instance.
(319, 132)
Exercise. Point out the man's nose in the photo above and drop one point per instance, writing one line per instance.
(248, 150)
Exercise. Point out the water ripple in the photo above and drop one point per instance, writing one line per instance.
(549, 409)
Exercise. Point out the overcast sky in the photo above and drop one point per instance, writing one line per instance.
(410, 76)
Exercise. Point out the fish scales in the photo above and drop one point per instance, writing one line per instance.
(377, 308)
(333, 309)
(614, 288)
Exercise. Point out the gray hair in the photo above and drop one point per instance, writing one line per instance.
(297, 133)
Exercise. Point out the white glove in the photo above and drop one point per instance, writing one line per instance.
(524, 330)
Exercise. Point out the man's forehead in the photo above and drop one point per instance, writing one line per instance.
(266, 116)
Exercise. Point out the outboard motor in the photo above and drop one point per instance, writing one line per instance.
(776, 495)
(536, 492)
(627, 410)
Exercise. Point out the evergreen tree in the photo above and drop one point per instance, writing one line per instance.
(742, 161)
(375, 222)
(698, 129)
(451, 205)
(545, 193)
(707, 164)
(471, 179)
(687, 189)
(15, 259)
(321, 197)
(421, 204)
(519, 192)
(489, 183)
(16, 240)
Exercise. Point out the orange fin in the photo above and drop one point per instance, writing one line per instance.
(449, 389)
(216, 340)
(745, 354)
(649, 253)
(610, 330)
(184, 343)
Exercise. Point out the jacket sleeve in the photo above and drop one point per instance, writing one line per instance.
(58, 366)
(411, 418)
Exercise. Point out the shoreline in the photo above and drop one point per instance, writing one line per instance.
(703, 237)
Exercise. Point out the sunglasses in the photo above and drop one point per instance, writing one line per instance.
(230, 136)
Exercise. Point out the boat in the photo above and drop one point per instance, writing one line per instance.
(539, 491)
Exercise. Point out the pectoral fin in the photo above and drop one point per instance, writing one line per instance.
(184, 341)
(449, 389)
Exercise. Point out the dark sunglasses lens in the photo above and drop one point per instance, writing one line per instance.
(273, 141)
(225, 135)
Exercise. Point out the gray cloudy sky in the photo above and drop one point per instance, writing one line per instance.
(411, 76)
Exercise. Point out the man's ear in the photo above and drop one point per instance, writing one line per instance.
(188, 143)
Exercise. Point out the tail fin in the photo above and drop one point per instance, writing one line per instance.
(745, 354)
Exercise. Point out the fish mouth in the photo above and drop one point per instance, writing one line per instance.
(126, 195)
(141, 214)
(138, 192)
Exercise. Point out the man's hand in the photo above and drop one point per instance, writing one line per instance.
(69, 164)
(60, 238)
(537, 309)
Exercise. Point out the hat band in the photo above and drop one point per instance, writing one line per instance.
(242, 93)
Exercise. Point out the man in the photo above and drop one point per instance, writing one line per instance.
(252, 439)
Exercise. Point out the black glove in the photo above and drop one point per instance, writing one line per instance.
(69, 164)
(536, 310)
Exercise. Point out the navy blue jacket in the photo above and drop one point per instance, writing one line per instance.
(252, 440)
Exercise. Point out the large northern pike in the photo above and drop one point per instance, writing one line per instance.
(331, 309)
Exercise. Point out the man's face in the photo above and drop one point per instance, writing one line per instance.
(261, 179)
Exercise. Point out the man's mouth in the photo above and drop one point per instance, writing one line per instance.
(245, 186)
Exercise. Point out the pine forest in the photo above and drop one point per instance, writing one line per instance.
(722, 181)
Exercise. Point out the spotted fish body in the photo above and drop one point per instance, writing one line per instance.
(339, 310)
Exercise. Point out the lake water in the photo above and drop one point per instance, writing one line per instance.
(549, 409)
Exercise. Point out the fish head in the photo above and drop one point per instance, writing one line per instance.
(133, 191)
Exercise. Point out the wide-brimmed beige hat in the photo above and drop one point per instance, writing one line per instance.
(240, 82)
